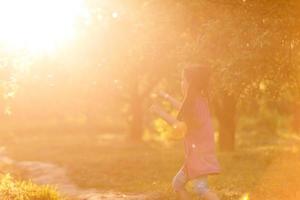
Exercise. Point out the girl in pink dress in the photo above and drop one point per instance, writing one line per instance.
(194, 119)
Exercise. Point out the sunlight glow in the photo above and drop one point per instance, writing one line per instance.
(115, 15)
(38, 26)
(245, 197)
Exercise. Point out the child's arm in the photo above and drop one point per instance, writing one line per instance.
(179, 128)
(177, 104)
(163, 114)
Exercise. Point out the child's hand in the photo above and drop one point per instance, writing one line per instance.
(179, 130)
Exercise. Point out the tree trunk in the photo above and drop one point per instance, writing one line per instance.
(136, 112)
(138, 98)
(226, 113)
(136, 122)
(227, 134)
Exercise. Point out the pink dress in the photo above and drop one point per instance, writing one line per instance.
(200, 153)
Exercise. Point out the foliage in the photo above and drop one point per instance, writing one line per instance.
(249, 43)
(127, 49)
(11, 189)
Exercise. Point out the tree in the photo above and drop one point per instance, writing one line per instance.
(250, 43)
(136, 47)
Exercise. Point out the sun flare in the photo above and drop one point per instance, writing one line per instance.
(38, 26)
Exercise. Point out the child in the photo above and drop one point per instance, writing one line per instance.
(194, 120)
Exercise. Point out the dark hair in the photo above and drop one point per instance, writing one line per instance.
(198, 85)
(198, 79)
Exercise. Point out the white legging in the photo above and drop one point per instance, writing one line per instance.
(199, 185)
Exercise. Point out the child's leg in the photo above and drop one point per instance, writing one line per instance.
(200, 187)
(178, 184)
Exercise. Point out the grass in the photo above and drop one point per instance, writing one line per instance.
(11, 189)
(270, 170)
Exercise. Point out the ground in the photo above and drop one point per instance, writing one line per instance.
(267, 170)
